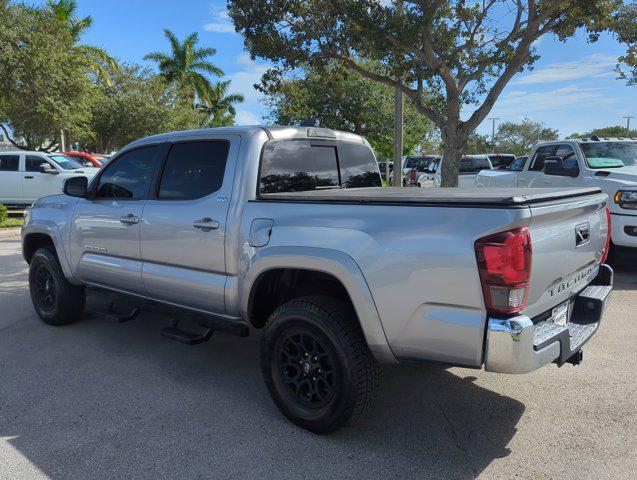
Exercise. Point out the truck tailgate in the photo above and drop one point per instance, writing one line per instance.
(568, 239)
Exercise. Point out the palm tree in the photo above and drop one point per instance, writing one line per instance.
(96, 59)
(219, 106)
(186, 66)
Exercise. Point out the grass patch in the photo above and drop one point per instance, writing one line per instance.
(11, 223)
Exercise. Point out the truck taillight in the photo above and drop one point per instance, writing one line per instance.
(504, 262)
(607, 246)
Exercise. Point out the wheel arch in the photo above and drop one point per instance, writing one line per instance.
(341, 274)
(43, 235)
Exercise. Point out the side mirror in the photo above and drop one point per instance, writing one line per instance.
(47, 168)
(76, 187)
(555, 166)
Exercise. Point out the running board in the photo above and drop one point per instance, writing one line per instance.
(182, 336)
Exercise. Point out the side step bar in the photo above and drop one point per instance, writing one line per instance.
(175, 333)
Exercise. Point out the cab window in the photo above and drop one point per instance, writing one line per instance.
(9, 163)
(33, 163)
(194, 169)
(129, 176)
(540, 156)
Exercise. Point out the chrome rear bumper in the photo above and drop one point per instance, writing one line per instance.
(517, 345)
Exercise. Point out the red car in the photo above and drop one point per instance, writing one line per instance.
(86, 159)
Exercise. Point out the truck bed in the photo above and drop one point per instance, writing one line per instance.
(483, 197)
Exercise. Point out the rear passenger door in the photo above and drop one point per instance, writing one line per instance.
(184, 224)
(10, 179)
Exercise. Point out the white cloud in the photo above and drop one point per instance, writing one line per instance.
(246, 117)
(519, 103)
(591, 66)
(243, 81)
(221, 22)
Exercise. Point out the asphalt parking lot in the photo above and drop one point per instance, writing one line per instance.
(99, 399)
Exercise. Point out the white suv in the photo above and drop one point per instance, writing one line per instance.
(27, 176)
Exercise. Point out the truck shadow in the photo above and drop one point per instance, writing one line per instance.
(99, 399)
(624, 263)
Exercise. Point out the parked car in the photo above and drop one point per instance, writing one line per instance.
(264, 228)
(87, 159)
(26, 176)
(501, 160)
(470, 165)
(413, 166)
(607, 163)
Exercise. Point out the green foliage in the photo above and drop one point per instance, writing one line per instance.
(520, 138)
(3, 213)
(43, 87)
(219, 106)
(614, 131)
(136, 104)
(187, 66)
(443, 54)
(478, 144)
(343, 100)
(625, 28)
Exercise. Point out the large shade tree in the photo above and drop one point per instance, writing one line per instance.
(219, 106)
(520, 137)
(446, 56)
(187, 66)
(625, 28)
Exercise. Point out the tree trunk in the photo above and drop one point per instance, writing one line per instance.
(454, 143)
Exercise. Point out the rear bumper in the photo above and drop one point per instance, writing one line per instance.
(622, 227)
(517, 345)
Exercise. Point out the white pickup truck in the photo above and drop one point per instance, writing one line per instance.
(607, 163)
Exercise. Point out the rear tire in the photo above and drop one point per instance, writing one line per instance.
(56, 301)
(317, 365)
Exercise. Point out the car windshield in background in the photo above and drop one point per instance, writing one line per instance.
(420, 163)
(64, 162)
(610, 154)
(499, 160)
(474, 164)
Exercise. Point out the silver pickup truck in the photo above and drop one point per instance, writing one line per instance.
(287, 230)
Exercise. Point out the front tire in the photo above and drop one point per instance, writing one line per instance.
(317, 365)
(56, 301)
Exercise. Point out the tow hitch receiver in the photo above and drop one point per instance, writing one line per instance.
(576, 358)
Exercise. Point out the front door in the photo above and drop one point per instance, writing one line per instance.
(10, 179)
(35, 183)
(184, 225)
(567, 152)
(105, 233)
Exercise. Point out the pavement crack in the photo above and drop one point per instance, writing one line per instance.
(456, 440)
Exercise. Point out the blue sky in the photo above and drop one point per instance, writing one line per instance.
(572, 88)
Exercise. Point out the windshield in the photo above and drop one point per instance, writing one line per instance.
(417, 162)
(64, 162)
(610, 154)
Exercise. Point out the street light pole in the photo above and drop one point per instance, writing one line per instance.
(628, 117)
(493, 120)
(398, 137)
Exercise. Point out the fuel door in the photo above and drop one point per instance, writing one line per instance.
(260, 232)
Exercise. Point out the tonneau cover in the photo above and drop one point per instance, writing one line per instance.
(500, 197)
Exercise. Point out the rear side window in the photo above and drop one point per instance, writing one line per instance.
(129, 176)
(9, 163)
(541, 154)
(474, 164)
(297, 165)
(358, 166)
(194, 169)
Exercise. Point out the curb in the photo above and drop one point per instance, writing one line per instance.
(10, 232)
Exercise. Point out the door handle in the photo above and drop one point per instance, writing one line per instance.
(206, 224)
(129, 219)
(30, 177)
